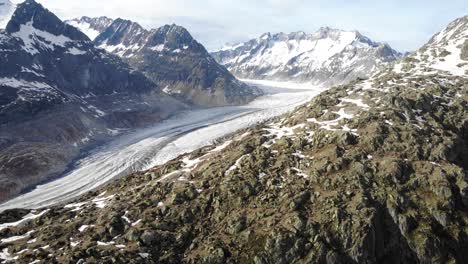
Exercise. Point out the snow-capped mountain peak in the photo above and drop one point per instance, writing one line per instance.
(446, 52)
(265, 36)
(126, 38)
(7, 9)
(122, 37)
(42, 21)
(328, 56)
(92, 27)
(327, 32)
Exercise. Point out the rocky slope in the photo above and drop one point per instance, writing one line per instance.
(370, 172)
(447, 51)
(171, 58)
(59, 94)
(327, 57)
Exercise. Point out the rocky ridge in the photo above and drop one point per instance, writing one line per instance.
(173, 59)
(374, 171)
(327, 57)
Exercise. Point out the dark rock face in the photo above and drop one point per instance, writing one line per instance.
(58, 94)
(42, 19)
(170, 57)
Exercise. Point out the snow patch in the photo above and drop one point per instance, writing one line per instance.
(75, 206)
(236, 165)
(30, 86)
(75, 51)
(300, 173)
(26, 219)
(357, 102)
(74, 244)
(32, 38)
(23, 69)
(221, 147)
(5, 255)
(332, 124)
(16, 238)
(120, 49)
(158, 48)
(85, 28)
(136, 223)
(84, 227)
(101, 202)
(168, 90)
(105, 244)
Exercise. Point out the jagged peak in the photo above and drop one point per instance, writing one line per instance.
(352, 37)
(120, 20)
(296, 35)
(323, 32)
(333, 33)
(121, 23)
(327, 29)
(121, 30)
(42, 19)
(86, 19)
(456, 29)
(131, 34)
(91, 26)
(173, 29)
(172, 34)
(265, 36)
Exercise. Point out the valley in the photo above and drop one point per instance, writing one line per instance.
(149, 147)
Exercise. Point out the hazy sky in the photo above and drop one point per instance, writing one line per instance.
(404, 24)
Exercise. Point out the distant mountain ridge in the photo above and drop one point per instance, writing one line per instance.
(326, 57)
(92, 27)
(170, 57)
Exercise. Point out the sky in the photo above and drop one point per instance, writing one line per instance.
(405, 24)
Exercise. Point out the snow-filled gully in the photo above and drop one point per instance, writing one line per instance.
(163, 142)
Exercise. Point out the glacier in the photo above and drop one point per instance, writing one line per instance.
(156, 145)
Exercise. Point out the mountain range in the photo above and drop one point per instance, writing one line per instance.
(61, 94)
(327, 57)
(373, 171)
(170, 57)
